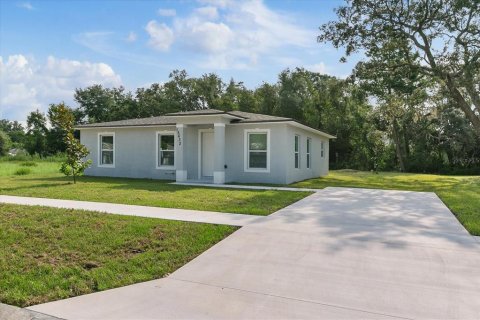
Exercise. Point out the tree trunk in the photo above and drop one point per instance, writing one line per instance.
(463, 104)
(398, 145)
(406, 147)
(472, 92)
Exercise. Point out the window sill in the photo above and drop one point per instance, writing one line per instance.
(165, 168)
(106, 166)
(257, 170)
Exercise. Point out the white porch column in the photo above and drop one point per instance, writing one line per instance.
(180, 158)
(219, 158)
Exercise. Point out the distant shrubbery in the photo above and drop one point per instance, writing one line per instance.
(23, 171)
(28, 164)
(24, 156)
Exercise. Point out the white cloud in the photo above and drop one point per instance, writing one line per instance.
(132, 37)
(318, 67)
(167, 12)
(210, 12)
(231, 34)
(161, 36)
(26, 85)
(26, 5)
(206, 36)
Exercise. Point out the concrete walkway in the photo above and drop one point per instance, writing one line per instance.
(337, 254)
(140, 211)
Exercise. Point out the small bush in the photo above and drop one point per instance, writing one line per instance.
(23, 171)
(28, 164)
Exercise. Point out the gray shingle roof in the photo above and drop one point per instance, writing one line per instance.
(256, 117)
(169, 119)
(172, 118)
(152, 121)
(196, 112)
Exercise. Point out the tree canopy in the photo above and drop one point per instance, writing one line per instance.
(439, 39)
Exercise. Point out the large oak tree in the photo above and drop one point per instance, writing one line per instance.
(443, 34)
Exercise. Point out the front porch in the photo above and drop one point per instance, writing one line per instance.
(200, 149)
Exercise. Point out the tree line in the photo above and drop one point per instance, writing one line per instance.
(415, 129)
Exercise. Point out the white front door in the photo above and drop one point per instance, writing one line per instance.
(207, 141)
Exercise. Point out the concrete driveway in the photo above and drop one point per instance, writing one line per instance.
(338, 254)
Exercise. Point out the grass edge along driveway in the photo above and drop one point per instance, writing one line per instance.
(50, 253)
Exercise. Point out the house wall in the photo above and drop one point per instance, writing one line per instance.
(319, 165)
(235, 154)
(135, 153)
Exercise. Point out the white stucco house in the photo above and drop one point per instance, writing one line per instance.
(208, 146)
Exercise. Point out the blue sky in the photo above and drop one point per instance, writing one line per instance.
(48, 48)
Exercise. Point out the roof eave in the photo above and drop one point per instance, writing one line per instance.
(303, 126)
(226, 114)
(290, 121)
(293, 122)
(124, 126)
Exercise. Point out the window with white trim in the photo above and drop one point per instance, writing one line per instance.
(165, 150)
(297, 151)
(309, 147)
(107, 149)
(257, 150)
(322, 149)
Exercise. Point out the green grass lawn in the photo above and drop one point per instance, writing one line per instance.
(45, 181)
(460, 193)
(48, 254)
